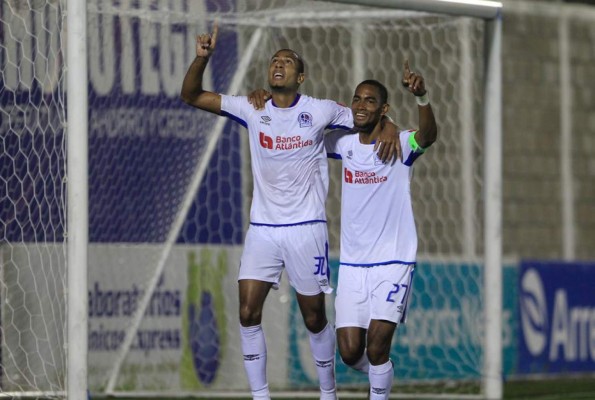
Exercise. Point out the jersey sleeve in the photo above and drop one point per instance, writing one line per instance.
(411, 150)
(332, 143)
(341, 116)
(234, 108)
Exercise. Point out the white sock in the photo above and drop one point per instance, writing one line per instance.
(381, 380)
(363, 364)
(254, 349)
(328, 394)
(322, 345)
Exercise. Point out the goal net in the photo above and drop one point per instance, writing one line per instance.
(170, 188)
(32, 198)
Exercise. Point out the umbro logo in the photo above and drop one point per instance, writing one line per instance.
(324, 364)
(265, 119)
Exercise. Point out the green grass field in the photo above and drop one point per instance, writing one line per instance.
(560, 389)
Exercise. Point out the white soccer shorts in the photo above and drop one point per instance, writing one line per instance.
(302, 250)
(380, 292)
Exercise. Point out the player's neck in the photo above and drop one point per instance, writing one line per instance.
(284, 98)
(369, 137)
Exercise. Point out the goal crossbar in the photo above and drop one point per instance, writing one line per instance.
(465, 8)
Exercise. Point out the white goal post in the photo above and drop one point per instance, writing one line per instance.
(152, 196)
(78, 200)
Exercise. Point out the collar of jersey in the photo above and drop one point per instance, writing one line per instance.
(295, 101)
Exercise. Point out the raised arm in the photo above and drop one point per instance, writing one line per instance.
(192, 90)
(428, 130)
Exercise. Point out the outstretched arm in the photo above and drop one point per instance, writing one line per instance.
(192, 91)
(428, 130)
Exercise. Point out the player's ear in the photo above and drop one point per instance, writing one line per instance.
(301, 78)
(385, 108)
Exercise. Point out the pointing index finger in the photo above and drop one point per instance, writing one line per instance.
(215, 32)
(406, 65)
(406, 73)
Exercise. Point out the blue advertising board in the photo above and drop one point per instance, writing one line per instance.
(144, 142)
(443, 336)
(557, 317)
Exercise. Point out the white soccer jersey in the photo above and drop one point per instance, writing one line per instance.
(289, 165)
(377, 225)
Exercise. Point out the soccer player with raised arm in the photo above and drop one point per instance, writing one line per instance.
(287, 217)
(378, 236)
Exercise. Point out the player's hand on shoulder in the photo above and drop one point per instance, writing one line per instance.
(205, 43)
(388, 145)
(258, 98)
(413, 81)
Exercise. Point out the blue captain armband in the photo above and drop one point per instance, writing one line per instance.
(413, 143)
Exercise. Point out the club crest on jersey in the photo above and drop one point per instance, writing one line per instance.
(377, 160)
(305, 119)
(349, 154)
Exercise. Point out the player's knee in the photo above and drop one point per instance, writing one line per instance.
(378, 353)
(350, 354)
(249, 316)
(349, 359)
(315, 323)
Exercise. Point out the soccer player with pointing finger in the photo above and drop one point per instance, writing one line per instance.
(378, 235)
(287, 218)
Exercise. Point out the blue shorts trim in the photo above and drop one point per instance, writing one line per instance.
(297, 223)
(378, 263)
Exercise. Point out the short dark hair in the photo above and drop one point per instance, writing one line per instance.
(301, 66)
(381, 89)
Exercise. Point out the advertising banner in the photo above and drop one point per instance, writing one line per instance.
(189, 337)
(145, 143)
(442, 338)
(557, 317)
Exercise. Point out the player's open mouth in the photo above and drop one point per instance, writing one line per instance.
(278, 76)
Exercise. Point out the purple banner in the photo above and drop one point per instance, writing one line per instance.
(144, 142)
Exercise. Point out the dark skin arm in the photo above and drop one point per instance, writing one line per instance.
(192, 91)
(388, 143)
(428, 130)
